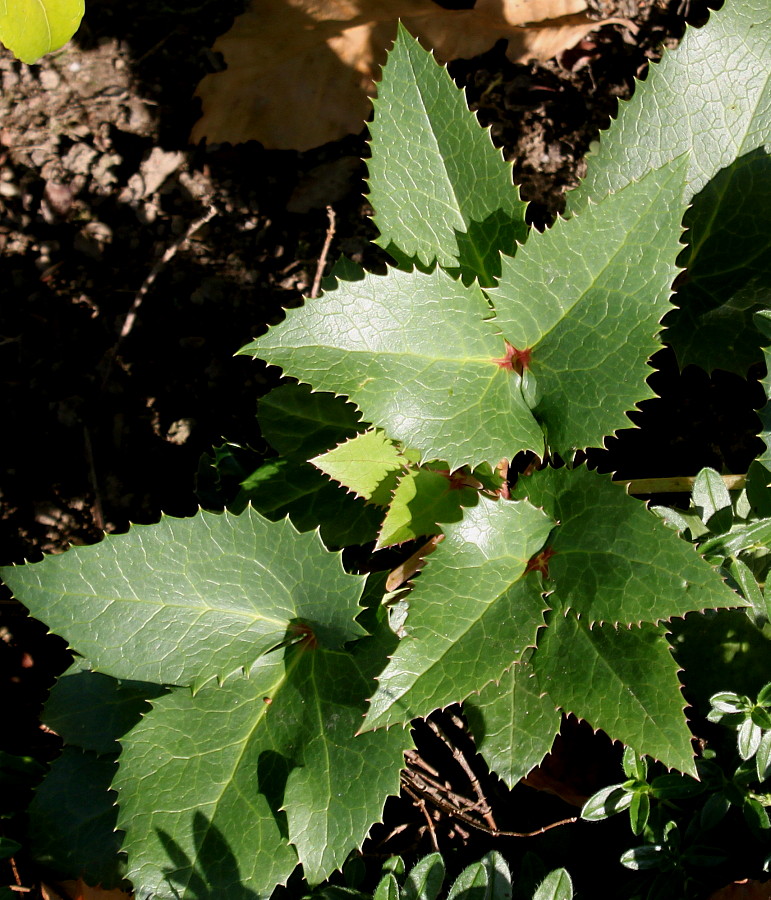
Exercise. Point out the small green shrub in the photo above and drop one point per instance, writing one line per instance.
(247, 696)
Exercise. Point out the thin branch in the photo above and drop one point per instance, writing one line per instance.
(324, 253)
(170, 252)
(678, 484)
(482, 803)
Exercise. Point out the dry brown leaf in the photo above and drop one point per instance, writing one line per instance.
(78, 890)
(301, 72)
(744, 890)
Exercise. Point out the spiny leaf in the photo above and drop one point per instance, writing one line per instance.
(32, 28)
(72, 819)
(423, 499)
(623, 680)
(763, 323)
(585, 300)
(613, 560)
(463, 209)
(366, 464)
(728, 264)
(216, 786)
(711, 98)
(513, 723)
(190, 599)
(283, 487)
(417, 356)
(471, 614)
(300, 423)
(90, 710)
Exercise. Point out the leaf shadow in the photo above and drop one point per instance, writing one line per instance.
(728, 268)
(478, 249)
(213, 874)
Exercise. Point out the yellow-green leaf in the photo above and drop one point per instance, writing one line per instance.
(32, 28)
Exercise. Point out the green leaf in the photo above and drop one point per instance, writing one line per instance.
(72, 819)
(387, 889)
(621, 680)
(763, 757)
(711, 495)
(738, 539)
(488, 879)
(190, 599)
(606, 802)
(676, 787)
(710, 98)
(556, 886)
(762, 504)
(634, 765)
(729, 267)
(613, 561)
(750, 588)
(417, 356)
(222, 791)
(471, 614)
(440, 190)
(748, 739)
(8, 847)
(32, 28)
(366, 464)
(299, 422)
(425, 879)
(586, 297)
(513, 723)
(422, 500)
(639, 811)
(91, 710)
(649, 856)
(283, 487)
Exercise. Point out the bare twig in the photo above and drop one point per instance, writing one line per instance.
(410, 786)
(678, 484)
(324, 253)
(169, 253)
(96, 508)
(482, 804)
(421, 805)
(416, 760)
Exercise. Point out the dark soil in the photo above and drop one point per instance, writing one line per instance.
(98, 182)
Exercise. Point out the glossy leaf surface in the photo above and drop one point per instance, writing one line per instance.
(440, 190)
(471, 614)
(416, 354)
(190, 599)
(586, 297)
(223, 791)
